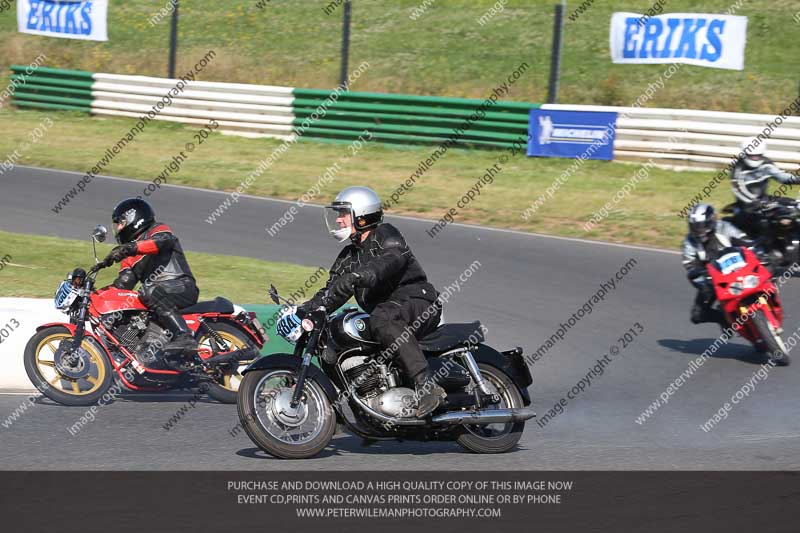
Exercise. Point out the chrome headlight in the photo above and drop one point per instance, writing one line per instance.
(735, 287)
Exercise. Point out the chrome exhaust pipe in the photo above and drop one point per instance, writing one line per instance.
(485, 416)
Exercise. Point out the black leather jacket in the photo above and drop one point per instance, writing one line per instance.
(160, 258)
(389, 269)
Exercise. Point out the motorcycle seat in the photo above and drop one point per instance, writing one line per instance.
(450, 336)
(217, 305)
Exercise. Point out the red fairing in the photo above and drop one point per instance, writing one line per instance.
(760, 287)
(113, 299)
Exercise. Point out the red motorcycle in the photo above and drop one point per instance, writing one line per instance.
(749, 299)
(73, 364)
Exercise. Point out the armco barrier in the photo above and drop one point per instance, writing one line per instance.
(702, 139)
(280, 112)
(31, 313)
(53, 88)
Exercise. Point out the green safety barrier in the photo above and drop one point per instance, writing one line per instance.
(411, 119)
(330, 116)
(267, 315)
(52, 88)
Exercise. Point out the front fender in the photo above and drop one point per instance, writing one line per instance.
(291, 362)
(71, 328)
(510, 362)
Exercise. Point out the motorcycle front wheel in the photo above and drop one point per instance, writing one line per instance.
(266, 414)
(776, 348)
(500, 437)
(82, 379)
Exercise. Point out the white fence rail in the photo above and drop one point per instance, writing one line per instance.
(242, 109)
(702, 139)
(681, 138)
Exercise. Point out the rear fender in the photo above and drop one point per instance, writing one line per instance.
(291, 362)
(194, 324)
(511, 362)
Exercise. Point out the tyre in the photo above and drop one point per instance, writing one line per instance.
(266, 415)
(776, 349)
(495, 438)
(80, 380)
(224, 389)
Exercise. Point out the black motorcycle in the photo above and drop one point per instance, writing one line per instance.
(289, 407)
(778, 231)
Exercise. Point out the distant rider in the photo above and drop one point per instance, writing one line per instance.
(151, 254)
(379, 269)
(749, 180)
(707, 237)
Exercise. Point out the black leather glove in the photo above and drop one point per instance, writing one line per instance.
(121, 252)
(345, 285)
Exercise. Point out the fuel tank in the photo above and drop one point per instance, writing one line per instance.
(112, 299)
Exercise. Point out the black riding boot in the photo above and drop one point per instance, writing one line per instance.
(183, 345)
(428, 394)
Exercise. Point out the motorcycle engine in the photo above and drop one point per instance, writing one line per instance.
(376, 384)
(129, 332)
(144, 339)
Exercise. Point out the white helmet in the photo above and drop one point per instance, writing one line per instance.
(354, 207)
(754, 151)
(702, 222)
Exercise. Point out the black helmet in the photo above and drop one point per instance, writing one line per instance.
(702, 221)
(137, 217)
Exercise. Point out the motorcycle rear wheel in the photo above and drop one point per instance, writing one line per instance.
(495, 438)
(92, 375)
(224, 390)
(269, 421)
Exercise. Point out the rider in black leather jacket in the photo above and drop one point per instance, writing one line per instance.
(379, 269)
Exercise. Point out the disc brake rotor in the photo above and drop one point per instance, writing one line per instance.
(73, 364)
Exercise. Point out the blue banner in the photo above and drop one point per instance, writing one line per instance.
(584, 134)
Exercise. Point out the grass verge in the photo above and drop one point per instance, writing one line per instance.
(648, 215)
(442, 47)
(36, 265)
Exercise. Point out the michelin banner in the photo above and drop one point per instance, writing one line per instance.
(79, 19)
(704, 40)
(573, 134)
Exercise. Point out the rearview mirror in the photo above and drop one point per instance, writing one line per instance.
(273, 293)
(100, 233)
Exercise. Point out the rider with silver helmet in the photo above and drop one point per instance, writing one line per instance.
(749, 179)
(707, 237)
(379, 269)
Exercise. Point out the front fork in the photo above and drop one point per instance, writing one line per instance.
(80, 326)
(301, 379)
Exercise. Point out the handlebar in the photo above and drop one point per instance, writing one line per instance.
(105, 263)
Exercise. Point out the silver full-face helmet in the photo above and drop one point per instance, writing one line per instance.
(356, 208)
(754, 152)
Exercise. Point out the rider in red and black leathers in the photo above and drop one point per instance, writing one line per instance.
(151, 254)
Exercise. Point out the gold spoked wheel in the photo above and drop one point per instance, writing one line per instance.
(224, 389)
(79, 379)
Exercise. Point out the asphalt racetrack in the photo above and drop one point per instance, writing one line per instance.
(523, 288)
